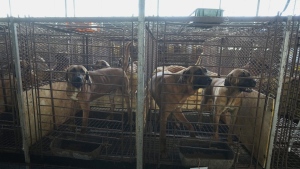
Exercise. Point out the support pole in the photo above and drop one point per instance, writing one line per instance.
(257, 7)
(141, 86)
(278, 95)
(19, 89)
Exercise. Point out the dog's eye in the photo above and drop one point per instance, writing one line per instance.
(204, 70)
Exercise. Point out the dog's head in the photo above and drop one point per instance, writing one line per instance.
(240, 78)
(100, 64)
(76, 75)
(197, 76)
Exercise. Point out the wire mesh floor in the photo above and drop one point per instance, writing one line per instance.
(10, 134)
(117, 141)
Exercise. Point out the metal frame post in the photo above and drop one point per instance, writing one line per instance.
(278, 95)
(141, 86)
(19, 88)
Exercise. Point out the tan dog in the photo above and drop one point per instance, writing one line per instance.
(100, 64)
(85, 86)
(224, 94)
(171, 90)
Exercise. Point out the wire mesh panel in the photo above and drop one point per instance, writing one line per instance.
(286, 151)
(199, 113)
(10, 132)
(87, 118)
(197, 137)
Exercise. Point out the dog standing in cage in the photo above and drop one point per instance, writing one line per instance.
(100, 64)
(170, 91)
(85, 86)
(224, 92)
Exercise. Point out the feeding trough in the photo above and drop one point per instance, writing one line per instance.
(197, 153)
(75, 149)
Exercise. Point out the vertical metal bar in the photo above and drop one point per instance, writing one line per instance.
(9, 8)
(86, 54)
(257, 8)
(19, 89)
(278, 95)
(74, 8)
(66, 10)
(141, 86)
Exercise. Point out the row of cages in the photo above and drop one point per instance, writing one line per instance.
(219, 92)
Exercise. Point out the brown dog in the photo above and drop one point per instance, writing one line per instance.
(100, 64)
(224, 94)
(171, 90)
(85, 86)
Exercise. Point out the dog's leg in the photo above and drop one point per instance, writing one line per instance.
(218, 109)
(234, 108)
(206, 105)
(72, 116)
(85, 106)
(129, 110)
(180, 117)
(126, 92)
(112, 105)
(163, 129)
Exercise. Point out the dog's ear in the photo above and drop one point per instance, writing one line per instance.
(87, 78)
(185, 76)
(228, 80)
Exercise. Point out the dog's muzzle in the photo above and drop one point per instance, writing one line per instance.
(77, 81)
(202, 82)
(247, 85)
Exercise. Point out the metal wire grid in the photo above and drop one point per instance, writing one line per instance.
(56, 46)
(50, 48)
(115, 137)
(222, 48)
(286, 152)
(10, 132)
(211, 49)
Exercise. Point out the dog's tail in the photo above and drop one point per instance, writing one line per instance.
(126, 56)
(199, 60)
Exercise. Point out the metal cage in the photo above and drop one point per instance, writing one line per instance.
(10, 131)
(266, 133)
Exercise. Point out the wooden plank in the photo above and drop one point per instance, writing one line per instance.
(254, 124)
(40, 118)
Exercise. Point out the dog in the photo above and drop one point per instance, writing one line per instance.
(86, 86)
(100, 64)
(223, 92)
(171, 90)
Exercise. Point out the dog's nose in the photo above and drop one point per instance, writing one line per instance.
(77, 79)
